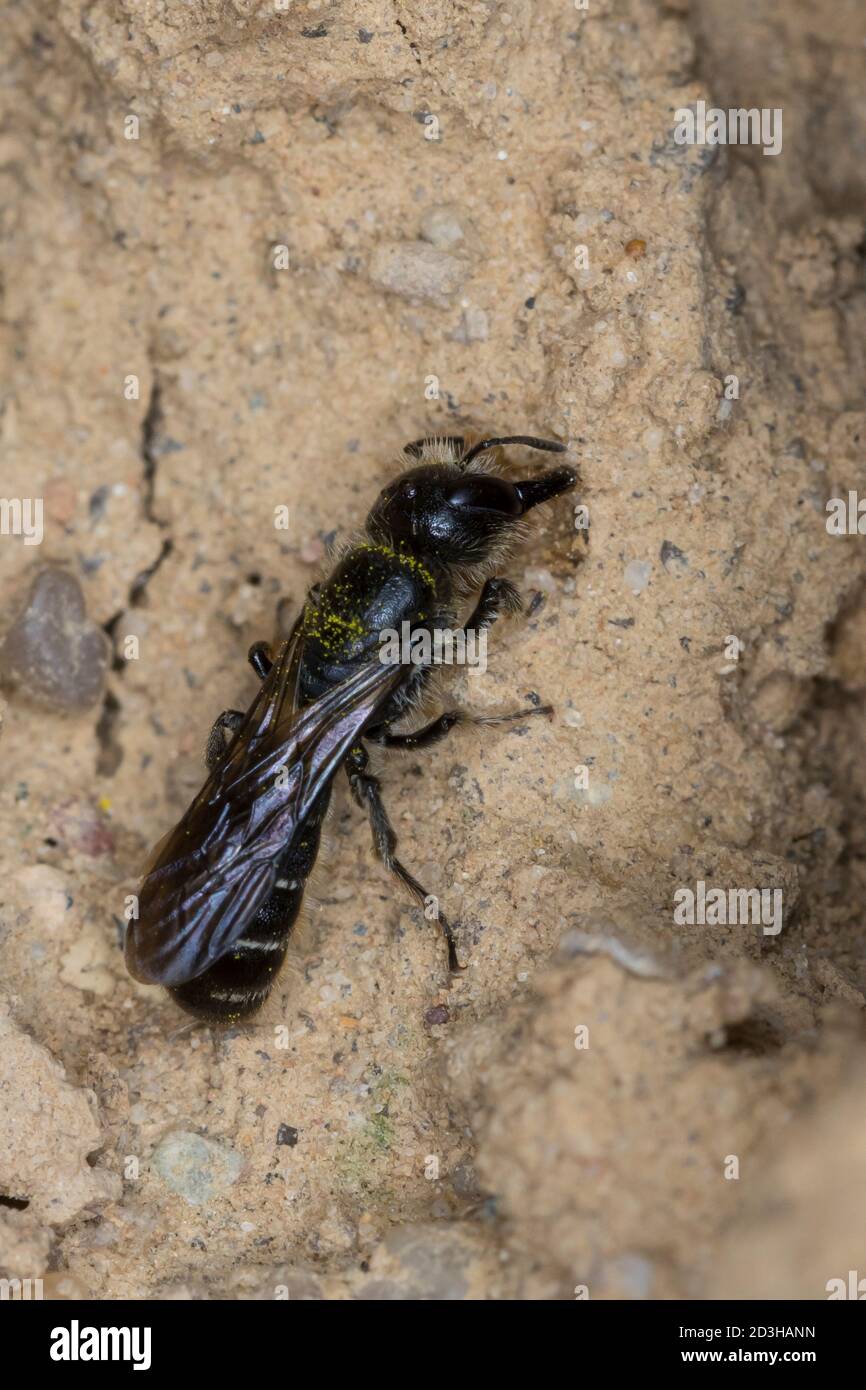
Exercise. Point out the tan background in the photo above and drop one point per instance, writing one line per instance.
(158, 1162)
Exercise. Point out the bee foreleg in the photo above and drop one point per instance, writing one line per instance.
(432, 733)
(419, 738)
(497, 595)
(367, 792)
(215, 749)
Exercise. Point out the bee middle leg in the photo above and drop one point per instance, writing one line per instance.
(259, 657)
(231, 719)
(215, 749)
(367, 791)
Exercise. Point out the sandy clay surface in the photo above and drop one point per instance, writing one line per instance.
(606, 1099)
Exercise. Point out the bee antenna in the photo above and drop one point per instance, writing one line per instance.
(548, 445)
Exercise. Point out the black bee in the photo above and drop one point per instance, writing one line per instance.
(224, 888)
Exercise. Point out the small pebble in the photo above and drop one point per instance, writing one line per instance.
(416, 270)
(673, 559)
(196, 1168)
(441, 226)
(473, 326)
(438, 1014)
(637, 575)
(61, 500)
(313, 552)
(53, 653)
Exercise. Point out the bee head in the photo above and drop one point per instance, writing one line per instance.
(450, 513)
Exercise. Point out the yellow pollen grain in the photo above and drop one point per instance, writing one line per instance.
(410, 562)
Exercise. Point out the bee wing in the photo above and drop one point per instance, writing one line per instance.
(212, 873)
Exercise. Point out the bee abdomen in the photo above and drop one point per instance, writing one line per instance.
(237, 985)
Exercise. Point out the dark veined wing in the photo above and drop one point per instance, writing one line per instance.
(211, 874)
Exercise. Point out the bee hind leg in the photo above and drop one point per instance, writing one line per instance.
(367, 791)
